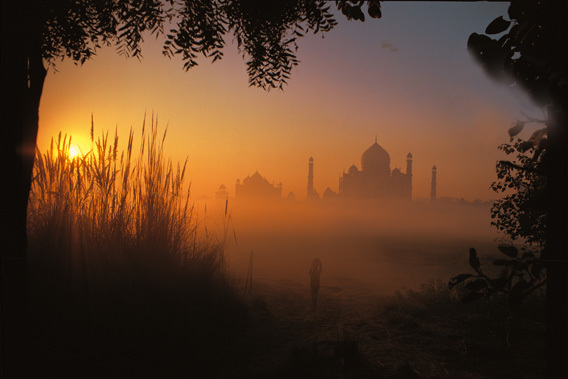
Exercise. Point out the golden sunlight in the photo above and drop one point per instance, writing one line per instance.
(74, 151)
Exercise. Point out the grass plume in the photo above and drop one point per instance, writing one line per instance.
(118, 271)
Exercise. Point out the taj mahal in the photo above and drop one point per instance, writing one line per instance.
(374, 179)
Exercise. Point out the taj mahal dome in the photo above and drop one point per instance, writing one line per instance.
(375, 179)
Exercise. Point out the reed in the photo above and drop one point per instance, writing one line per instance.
(115, 253)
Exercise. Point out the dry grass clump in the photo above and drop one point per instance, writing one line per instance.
(136, 209)
(119, 274)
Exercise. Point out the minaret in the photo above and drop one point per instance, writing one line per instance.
(409, 174)
(311, 179)
(433, 190)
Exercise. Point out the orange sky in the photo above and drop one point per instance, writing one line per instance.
(428, 98)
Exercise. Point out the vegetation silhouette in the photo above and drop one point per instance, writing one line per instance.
(522, 216)
(530, 53)
(122, 281)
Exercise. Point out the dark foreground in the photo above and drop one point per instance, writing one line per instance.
(272, 332)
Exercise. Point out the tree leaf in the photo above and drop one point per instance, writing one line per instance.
(499, 283)
(521, 286)
(374, 9)
(458, 279)
(508, 250)
(499, 25)
(504, 262)
(516, 129)
(537, 136)
(472, 296)
(476, 285)
(528, 255)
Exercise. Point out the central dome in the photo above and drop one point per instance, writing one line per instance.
(376, 160)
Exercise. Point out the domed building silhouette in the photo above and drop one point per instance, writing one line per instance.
(257, 187)
(222, 192)
(375, 178)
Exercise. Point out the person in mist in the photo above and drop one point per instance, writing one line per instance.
(315, 272)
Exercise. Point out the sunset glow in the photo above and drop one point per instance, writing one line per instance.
(74, 151)
(406, 79)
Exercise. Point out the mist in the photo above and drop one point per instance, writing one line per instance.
(379, 246)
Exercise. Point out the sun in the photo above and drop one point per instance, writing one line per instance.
(74, 151)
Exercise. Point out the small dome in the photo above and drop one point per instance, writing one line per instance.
(376, 159)
(396, 171)
(311, 159)
(353, 169)
(222, 187)
(434, 168)
(409, 156)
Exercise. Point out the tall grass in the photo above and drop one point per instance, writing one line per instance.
(136, 208)
(115, 255)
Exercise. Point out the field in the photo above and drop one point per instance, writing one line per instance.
(385, 309)
(129, 278)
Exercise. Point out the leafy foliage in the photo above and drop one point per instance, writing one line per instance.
(528, 54)
(521, 273)
(352, 9)
(265, 31)
(522, 213)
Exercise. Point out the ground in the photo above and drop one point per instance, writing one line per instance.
(353, 333)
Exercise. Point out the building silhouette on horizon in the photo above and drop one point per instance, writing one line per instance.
(222, 192)
(311, 193)
(375, 180)
(257, 187)
(433, 184)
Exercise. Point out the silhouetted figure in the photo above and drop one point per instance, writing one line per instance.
(315, 272)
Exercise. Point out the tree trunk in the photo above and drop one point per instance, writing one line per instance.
(23, 76)
(556, 248)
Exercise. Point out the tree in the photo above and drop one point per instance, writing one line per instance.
(522, 214)
(36, 33)
(531, 54)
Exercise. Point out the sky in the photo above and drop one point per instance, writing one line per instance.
(406, 79)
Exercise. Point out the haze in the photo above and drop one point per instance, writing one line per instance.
(406, 79)
(379, 246)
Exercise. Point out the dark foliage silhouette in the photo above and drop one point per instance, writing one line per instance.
(521, 274)
(530, 53)
(522, 214)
